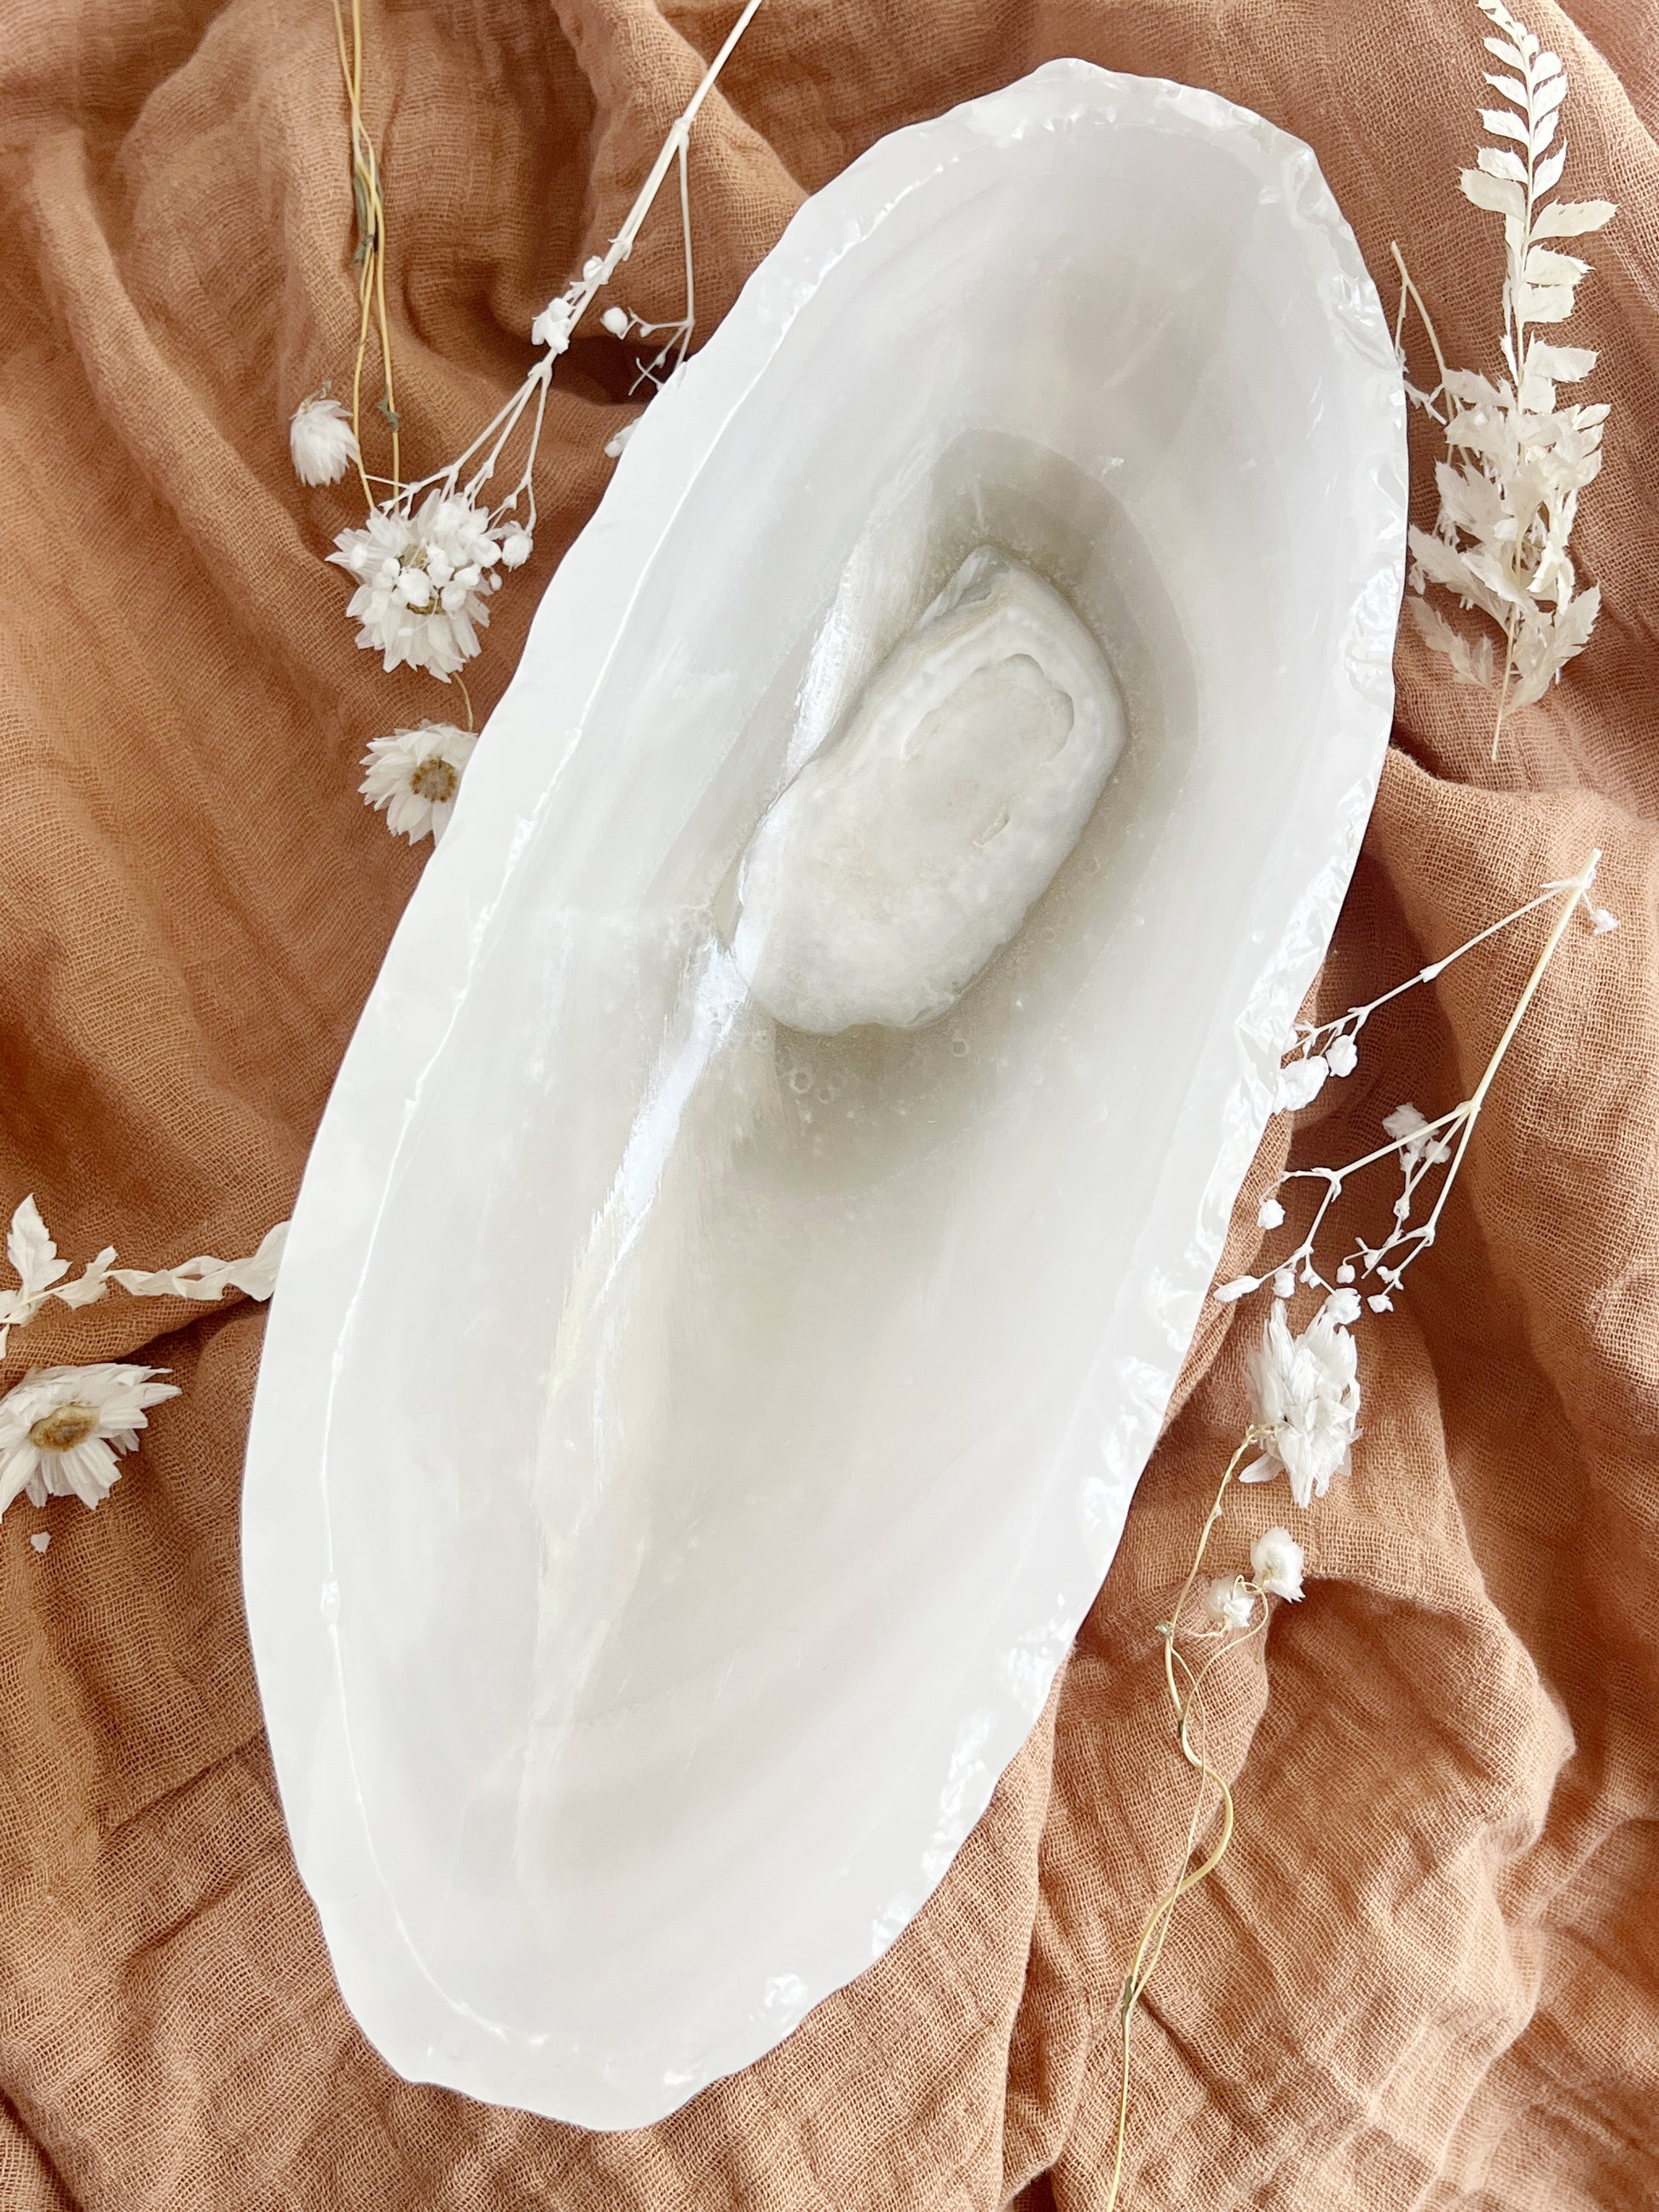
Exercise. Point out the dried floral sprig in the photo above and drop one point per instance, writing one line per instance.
(429, 554)
(1305, 1399)
(1235, 1612)
(1517, 461)
(1419, 1145)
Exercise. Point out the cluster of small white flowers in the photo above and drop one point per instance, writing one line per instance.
(424, 579)
(414, 776)
(1305, 1397)
(1507, 508)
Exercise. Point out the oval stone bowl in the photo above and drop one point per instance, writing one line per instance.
(685, 1446)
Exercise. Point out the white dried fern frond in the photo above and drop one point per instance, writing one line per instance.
(1517, 459)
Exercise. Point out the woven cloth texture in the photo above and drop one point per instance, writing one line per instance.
(1428, 1973)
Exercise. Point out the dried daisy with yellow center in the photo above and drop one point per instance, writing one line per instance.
(414, 776)
(64, 1428)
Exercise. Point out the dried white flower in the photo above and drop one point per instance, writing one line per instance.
(414, 775)
(1269, 1214)
(321, 439)
(1417, 1140)
(616, 320)
(41, 1539)
(1342, 1054)
(1305, 1397)
(1601, 921)
(557, 320)
(1276, 1561)
(423, 580)
(1301, 1081)
(62, 1427)
(516, 549)
(1229, 1603)
(1507, 505)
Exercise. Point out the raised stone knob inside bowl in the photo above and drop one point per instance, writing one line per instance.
(908, 851)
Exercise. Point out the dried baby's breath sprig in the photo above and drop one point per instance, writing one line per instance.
(1418, 1146)
(1517, 461)
(1305, 1400)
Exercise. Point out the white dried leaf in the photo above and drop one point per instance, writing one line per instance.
(1548, 95)
(1542, 303)
(90, 1285)
(205, 1278)
(1498, 161)
(1548, 175)
(1572, 218)
(1497, 195)
(32, 1252)
(1503, 124)
(1545, 266)
(1472, 663)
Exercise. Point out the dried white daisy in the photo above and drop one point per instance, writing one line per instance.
(321, 439)
(62, 1427)
(1276, 1561)
(423, 580)
(1305, 1400)
(414, 775)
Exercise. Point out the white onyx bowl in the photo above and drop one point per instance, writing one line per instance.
(685, 1448)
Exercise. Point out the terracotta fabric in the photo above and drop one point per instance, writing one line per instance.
(1428, 1973)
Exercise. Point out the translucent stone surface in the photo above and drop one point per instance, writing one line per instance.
(687, 1444)
(908, 850)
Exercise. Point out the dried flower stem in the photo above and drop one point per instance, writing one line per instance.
(370, 254)
(1410, 295)
(1184, 1704)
